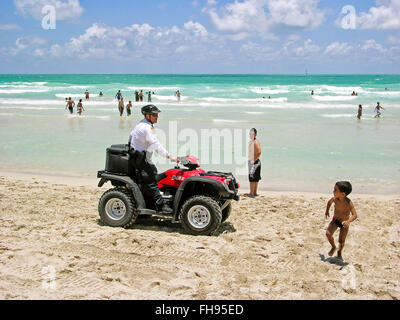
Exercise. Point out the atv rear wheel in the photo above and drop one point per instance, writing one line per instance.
(200, 215)
(117, 208)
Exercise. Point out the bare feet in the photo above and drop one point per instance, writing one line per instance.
(339, 255)
(330, 253)
(249, 195)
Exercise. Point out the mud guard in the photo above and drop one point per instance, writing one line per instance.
(137, 194)
(220, 190)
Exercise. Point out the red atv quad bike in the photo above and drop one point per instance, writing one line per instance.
(200, 200)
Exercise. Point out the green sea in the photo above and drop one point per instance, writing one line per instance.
(308, 141)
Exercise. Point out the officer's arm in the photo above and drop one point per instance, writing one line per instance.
(155, 145)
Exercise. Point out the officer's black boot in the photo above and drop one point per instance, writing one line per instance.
(165, 209)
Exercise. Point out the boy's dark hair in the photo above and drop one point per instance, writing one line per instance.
(344, 186)
(254, 129)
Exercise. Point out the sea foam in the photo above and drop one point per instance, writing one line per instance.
(334, 98)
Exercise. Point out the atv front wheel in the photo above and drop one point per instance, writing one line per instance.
(200, 215)
(117, 208)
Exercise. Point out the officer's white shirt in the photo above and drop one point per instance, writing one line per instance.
(143, 138)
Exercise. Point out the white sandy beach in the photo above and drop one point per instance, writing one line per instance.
(53, 246)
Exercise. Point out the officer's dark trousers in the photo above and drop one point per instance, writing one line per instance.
(149, 172)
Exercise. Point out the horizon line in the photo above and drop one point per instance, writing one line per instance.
(188, 74)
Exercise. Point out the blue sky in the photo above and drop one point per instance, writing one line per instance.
(200, 36)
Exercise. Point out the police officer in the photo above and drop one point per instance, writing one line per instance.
(143, 138)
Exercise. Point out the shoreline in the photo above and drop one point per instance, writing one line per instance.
(79, 180)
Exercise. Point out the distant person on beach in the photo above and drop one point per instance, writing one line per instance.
(341, 217)
(118, 95)
(378, 110)
(178, 95)
(141, 95)
(79, 107)
(359, 114)
(121, 106)
(354, 93)
(87, 95)
(254, 163)
(70, 105)
(100, 94)
(128, 108)
(312, 92)
(136, 96)
(149, 96)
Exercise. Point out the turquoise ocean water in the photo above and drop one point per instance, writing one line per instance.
(308, 142)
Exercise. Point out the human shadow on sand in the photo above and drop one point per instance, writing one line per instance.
(333, 260)
(156, 224)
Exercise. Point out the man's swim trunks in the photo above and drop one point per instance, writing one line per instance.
(255, 171)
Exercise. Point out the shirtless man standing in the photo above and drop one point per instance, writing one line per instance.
(70, 105)
(254, 163)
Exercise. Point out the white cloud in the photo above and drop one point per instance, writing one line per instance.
(25, 45)
(372, 46)
(296, 48)
(66, 10)
(393, 40)
(259, 17)
(374, 52)
(25, 42)
(246, 16)
(385, 16)
(39, 52)
(192, 42)
(308, 49)
(394, 53)
(196, 28)
(296, 13)
(140, 41)
(8, 27)
(338, 49)
(258, 52)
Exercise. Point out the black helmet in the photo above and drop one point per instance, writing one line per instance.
(150, 109)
